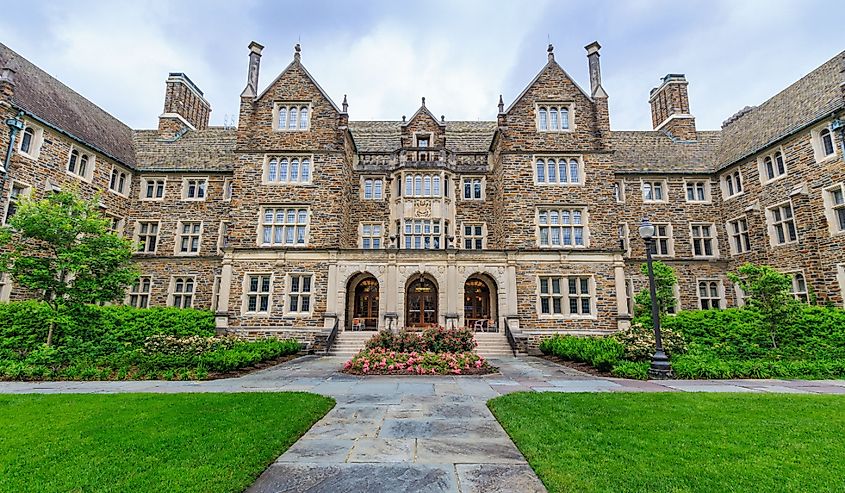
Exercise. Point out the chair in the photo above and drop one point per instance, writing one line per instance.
(478, 326)
(357, 324)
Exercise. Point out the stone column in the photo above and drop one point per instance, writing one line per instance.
(332, 296)
(221, 318)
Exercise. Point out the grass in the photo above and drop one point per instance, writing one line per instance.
(675, 442)
(147, 442)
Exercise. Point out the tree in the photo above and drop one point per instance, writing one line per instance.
(60, 247)
(664, 282)
(769, 292)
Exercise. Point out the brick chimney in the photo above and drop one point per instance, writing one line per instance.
(184, 106)
(670, 108)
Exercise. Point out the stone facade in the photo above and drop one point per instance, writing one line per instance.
(379, 223)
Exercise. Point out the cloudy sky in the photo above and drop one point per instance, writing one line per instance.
(459, 54)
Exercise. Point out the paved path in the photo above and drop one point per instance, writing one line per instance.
(412, 433)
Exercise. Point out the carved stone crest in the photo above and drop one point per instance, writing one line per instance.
(422, 208)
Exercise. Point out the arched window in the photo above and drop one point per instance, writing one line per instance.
(781, 167)
(564, 118)
(283, 170)
(738, 181)
(303, 118)
(574, 172)
(283, 117)
(121, 182)
(294, 170)
(377, 189)
(553, 118)
(292, 117)
(306, 170)
(561, 166)
(418, 185)
(27, 140)
(827, 142)
(544, 124)
(552, 167)
(272, 168)
(770, 169)
(409, 185)
(729, 182)
(541, 171)
(427, 186)
(83, 165)
(74, 160)
(436, 185)
(368, 188)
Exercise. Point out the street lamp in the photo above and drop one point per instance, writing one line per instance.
(15, 125)
(660, 366)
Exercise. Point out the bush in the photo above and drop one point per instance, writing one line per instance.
(639, 342)
(631, 369)
(433, 340)
(600, 352)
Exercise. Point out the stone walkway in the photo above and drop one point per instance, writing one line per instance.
(412, 433)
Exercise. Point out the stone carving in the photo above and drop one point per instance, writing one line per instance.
(422, 208)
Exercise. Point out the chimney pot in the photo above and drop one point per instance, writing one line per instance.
(501, 104)
(251, 89)
(551, 52)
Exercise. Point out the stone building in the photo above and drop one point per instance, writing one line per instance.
(300, 220)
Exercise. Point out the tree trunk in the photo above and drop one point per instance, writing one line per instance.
(50, 333)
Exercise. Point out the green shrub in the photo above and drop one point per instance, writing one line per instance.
(637, 370)
(638, 341)
(600, 352)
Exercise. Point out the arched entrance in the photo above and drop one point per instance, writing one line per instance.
(363, 303)
(480, 307)
(421, 303)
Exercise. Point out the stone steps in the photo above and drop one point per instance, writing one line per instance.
(490, 344)
(348, 343)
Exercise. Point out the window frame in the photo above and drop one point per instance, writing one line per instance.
(619, 191)
(362, 183)
(546, 181)
(832, 209)
(772, 224)
(817, 142)
(473, 237)
(714, 240)
(442, 182)
(284, 225)
(121, 223)
(145, 182)
(564, 296)
(720, 290)
(90, 164)
(310, 293)
(556, 105)
(186, 187)
(228, 189)
(26, 192)
(559, 209)
(35, 142)
(172, 293)
(140, 294)
(669, 237)
(289, 157)
(664, 186)
(762, 166)
(246, 293)
(708, 198)
(734, 234)
(407, 239)
(731, 175)
(277, 106)
(471, 179)
(802, 296)
(180, 235)
(362, 237)
(137, 236)
(127, 180)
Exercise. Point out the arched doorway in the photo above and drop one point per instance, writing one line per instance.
(480, 304)
(363, 303)
(421, 303)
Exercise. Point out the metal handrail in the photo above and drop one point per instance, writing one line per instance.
(332, 336)
(510, 337)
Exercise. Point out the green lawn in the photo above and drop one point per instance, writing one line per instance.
(147, 442)
(674, 442)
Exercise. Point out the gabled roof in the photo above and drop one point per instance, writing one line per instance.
(297, 63)
(813, 97)
(45, 98)
(211, 149)
(550, 64)
(385, 136)
(425, 111)
(652, 151)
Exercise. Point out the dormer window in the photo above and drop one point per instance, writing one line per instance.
(292, 117)
(553, 118)
(422, 141)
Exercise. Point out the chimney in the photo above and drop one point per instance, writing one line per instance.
(7, 83)
(251, 89)
(593, 55)
(184, 106)
(670, 108)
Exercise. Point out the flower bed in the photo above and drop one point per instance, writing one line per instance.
(435, 351)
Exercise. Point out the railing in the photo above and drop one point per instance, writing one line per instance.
(509, 335)
(332, 335)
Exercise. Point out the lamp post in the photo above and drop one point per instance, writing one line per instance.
(15, 125)
(660, 368)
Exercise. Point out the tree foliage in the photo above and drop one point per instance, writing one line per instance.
(770, 293)
(61, 249)
(664, 280)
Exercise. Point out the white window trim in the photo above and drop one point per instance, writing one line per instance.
(361, 185)
(770, 225)
(791, 274)
(829, 211)
(178, 239)
(670, 243)
(565, 298)
(35, 144)
(472, 178)
(128, 183)
(720, 288)
(463, 235)
(723, 183)
(444, 182)
(245, 295)
(664, 185)
(142, 195)
(761, 166)
(260, 230)
(288, 104)
(816, 142)
(708, 195)
(228, 189)
(585, 223)
(137, 236)
(730, 235)
(557, 158)
(714, 238)
(129, 293)
(185, 181)
(88, 177)
(27, 193)
(287, 312)
(621, 185)
(172, 288)
(361, 234)
(121, 221)
(265, 173)
(569, 105)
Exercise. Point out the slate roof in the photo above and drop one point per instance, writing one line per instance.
(385, 136)
(814, 96)
(212, 149)
(654, 152)
(42, 95)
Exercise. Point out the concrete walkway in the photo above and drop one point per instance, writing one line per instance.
(412, 433)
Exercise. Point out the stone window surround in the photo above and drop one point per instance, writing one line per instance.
(5, 287)
(619, 191)
(830, 208)
(770, 225)
(630, 293)
(139, 293)
(90, 164)
(723, 182)
(463, 237)
(185, 186)
(565, 297)
(288, 105)
(471, 179)
(444, 183)
(729, 229)
(585, 225)
(795, 285)
(228, 188)
(720, 291)
(664, 185)
(180, 234)
(215, 292)
(570, 107)
(145, 180)
(27, 192)
(310, 293)
(708, 194)
(245, 293)
(815, 141)
(714, 238)
(424, 136)
(840, 276)
(624, 237)
(362, 183)
(361, 237)
(222, 232)
(558, 157)
(127, 180)
(35, 144)
(172, 294)
(670, 240)
(289, 156)
(121, 223)
(260, 230)
(762, 168)
(137, 234)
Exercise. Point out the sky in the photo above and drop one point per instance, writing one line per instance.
(386, 54)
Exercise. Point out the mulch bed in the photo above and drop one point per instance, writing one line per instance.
(577, 365)
(249, 369)
(470, 372)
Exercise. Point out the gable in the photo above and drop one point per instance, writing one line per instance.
(552, 82)
(295, 83)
